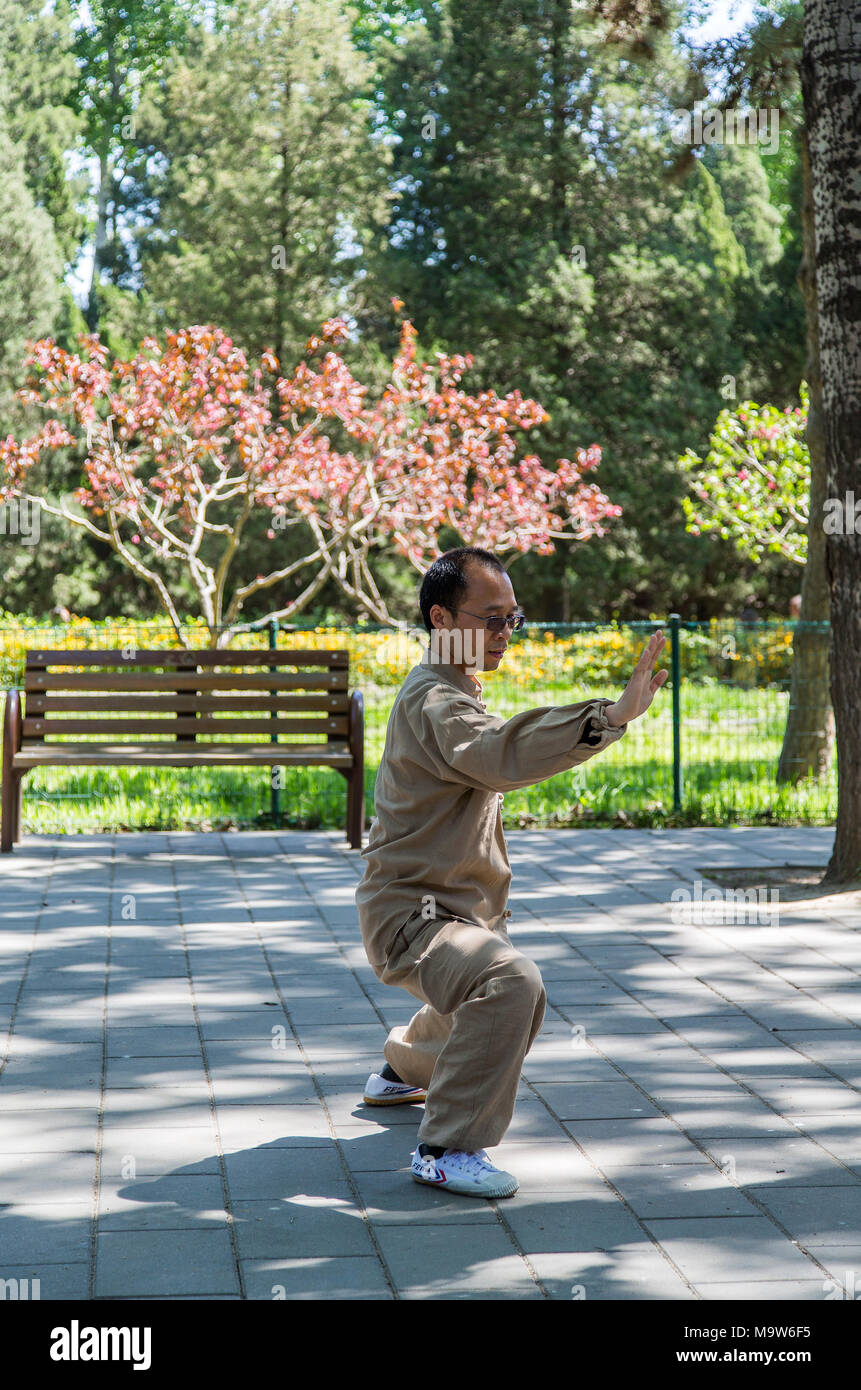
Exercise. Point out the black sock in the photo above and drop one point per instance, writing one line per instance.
(430, 1149)
(389, 1074)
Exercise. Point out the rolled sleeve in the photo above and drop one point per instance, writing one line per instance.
(500, 755)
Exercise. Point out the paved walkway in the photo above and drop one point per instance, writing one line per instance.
(193, 1019)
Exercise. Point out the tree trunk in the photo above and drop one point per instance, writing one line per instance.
(92, 313)
(808, 739)
(560, 213)
(832, 104)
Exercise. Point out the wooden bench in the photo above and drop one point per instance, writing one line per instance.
(125, 702)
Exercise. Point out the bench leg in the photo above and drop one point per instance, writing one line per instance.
(17, 801)
(356, 775)
(8, 807)
(355, 807)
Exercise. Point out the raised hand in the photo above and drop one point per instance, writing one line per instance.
(640, 690)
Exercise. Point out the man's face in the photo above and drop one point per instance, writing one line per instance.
(489, 593)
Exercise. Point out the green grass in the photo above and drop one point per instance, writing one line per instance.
(731, 741)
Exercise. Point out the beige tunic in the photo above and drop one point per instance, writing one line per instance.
(436, 844)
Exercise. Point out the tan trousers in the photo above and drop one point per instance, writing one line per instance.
(483, 1006)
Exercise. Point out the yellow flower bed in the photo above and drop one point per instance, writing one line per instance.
(722, 650)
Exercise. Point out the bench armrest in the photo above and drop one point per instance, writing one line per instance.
(357, 724)
(12, 725)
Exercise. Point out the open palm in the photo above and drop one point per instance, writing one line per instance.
(640, 690)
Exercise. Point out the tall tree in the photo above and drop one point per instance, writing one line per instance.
(759, 68)
(531, 219)
(30, 264)
(121, 49)
(39, 90)
(832, 104)
(265, 204)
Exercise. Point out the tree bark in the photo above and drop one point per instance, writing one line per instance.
(808, 739)
(831, 61)
(92, 313)
(560, 213)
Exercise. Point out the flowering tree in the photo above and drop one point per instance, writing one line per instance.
(754, 488)
(180, 448)
(754, 484)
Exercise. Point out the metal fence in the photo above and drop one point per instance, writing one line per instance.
(717, 724)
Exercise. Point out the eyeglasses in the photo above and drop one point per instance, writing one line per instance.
(497, 624)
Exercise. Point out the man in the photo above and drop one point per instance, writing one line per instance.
(432, 902)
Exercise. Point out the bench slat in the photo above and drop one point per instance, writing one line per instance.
(170, 754)
(191, 656)
(36, 681)
(175, 704)
(40, 728)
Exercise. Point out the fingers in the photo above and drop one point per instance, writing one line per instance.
(652, 648)
(655, 642)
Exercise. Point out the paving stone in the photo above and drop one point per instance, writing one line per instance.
(821, 1215)
(153, 1151)
(435, 1267)
(748, 1062)
(718, 1249)
(322, 1041)
(318, 1278)
(166, 1016)
(599, 993)
(183, 1040)
(266, 1087)
(67, 1097)
(611, 1142)
(296, 1126)
(836, 1131)
(171, 1202)
(36, 1130)
(728, 1115)
(566, 1058)
(799, 1095)
(55, 1177)
(232, 1024)
(680, 1190)
(45, 1233)
(271, 1170)
(595, 1100)
(790, 1160)
(605, 1022)
(542, 1165)
(141, 1264)
(132, 1072)
(570, 1220)
(51, 1063)
(307, 1223)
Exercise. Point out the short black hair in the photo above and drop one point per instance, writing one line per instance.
(446, 582)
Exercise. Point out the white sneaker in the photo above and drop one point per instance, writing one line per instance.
(471, 1174)
(379, 1091)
